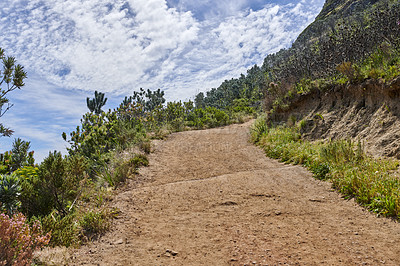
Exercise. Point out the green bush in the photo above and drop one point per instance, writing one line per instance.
(35, 199)
(94, 223)
(242, 105)
(65, 231)
(61, 179)
(10, 190)
(257, 130)
(320, 170)
(218, 117)
(117, 171)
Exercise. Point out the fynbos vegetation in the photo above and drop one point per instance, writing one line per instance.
(68, 194)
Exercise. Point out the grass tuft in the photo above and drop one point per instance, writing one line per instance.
(371, 182)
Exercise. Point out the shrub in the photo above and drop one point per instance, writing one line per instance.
(20, 156)
(259, 127)
(94, 223)
(118, 171)
(341, 151)
(320, 170)
(348, 70)
(53, 174)
(18, 240)
(60, 179)
(139, 160)
(219, 117)
(65, 231)
(198, 118)
(145, 146)
(5, 162)
(35, 199)
(9, 193)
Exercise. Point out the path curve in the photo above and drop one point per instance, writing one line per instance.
(209, 197)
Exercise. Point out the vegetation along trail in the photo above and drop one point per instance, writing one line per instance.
(210, 197)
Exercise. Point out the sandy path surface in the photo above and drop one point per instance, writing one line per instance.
(211, 198)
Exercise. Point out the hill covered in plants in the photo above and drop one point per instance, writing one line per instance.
(349, 55)
(340, 79)
(331, 102)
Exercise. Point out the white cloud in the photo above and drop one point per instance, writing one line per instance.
(72, 47)
(229, 47)
(96, 44)
(117, 46)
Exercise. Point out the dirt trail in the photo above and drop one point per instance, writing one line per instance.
(211, 198)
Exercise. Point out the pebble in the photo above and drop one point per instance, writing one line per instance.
(173, 253)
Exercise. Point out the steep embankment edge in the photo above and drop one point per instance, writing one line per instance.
(369, 111)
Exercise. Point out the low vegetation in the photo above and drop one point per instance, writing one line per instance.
(374, 183)
(68, 195)
(364, 46)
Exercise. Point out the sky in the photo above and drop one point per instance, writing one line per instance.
(71, 48)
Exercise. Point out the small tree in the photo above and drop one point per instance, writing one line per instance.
(12, 78)
(150, 100)
(20, 156)
(96, 103)
(199, 100)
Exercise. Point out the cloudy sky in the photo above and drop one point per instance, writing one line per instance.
(70, 48)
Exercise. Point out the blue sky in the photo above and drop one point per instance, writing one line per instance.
(70, 48)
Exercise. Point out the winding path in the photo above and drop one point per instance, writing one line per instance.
(211, 198)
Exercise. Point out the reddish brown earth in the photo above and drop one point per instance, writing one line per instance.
(212, 198)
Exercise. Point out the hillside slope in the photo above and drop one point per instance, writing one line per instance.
(210, 197)
(355, 95)
(331, 13)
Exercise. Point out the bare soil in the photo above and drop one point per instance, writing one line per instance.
(211, 198)
(369, 112)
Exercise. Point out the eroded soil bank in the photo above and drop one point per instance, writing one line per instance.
(211, 198)
(369, 112)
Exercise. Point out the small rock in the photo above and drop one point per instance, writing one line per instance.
(119, 242)
(173, 253)
(315, 200)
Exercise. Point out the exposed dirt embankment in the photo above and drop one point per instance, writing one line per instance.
(369, 112)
